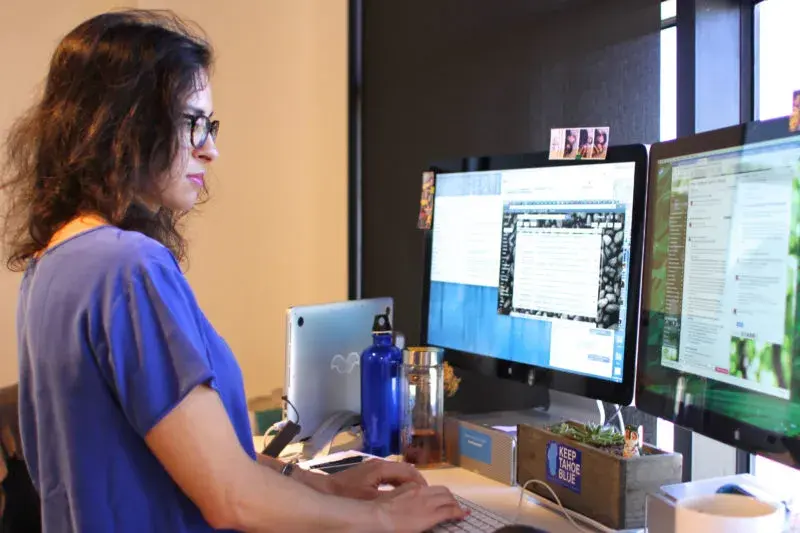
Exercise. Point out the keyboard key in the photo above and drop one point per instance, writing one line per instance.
(480, 520)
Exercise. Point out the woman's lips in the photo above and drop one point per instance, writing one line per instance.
(197, 179)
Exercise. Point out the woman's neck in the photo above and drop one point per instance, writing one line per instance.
(77, 225)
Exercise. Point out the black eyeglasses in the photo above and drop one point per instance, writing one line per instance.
(200, 127)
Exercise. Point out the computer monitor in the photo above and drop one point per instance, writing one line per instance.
(719, 333)
(534, 269)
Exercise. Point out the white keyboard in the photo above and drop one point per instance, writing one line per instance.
(480, 520)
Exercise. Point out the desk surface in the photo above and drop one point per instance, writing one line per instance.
(492, 495)
(498, 498)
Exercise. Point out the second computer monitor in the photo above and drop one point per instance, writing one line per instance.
(720, 328)
(534, 269)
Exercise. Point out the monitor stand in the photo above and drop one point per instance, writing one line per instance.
(563, 406)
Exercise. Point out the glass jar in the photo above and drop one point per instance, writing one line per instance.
(422, 387)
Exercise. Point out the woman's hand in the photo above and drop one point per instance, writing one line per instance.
(413, 508)
(362, 481)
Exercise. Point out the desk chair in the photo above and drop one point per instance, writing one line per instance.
(19, 502)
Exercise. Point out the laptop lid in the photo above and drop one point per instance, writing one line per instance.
(323, 351)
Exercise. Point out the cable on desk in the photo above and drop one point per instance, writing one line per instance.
(296, 412)
(557, 501)
(277, 426)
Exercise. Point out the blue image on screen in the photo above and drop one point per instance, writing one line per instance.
(465, 318)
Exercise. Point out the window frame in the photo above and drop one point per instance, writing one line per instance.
(699, 55)
(665, 430)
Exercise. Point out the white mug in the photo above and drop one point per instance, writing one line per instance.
(728, 513)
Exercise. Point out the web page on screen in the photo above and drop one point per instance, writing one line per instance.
(531, 265)
(734, 278)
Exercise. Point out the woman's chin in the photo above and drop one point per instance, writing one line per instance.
(188, 206)
(183, 205)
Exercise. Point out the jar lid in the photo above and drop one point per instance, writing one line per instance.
(423, 356)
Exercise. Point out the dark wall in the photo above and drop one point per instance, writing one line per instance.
(453, 78)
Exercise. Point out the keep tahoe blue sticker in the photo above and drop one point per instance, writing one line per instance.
(564, 466)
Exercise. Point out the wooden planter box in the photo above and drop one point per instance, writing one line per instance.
(607, 488)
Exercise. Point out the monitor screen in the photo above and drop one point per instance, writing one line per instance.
(719, 334)
(532, 265)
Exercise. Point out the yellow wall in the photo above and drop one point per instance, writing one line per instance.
(275, 231)
(31, 31)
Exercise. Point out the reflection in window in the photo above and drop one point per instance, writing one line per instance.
(776, 77)
(783, 480)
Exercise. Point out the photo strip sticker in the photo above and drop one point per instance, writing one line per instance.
(600, 144)
(563, 143)
(579, 143)
(794, 119)
(425, 219)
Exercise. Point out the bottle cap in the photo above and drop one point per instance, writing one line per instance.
(381, 324)
(423, 356)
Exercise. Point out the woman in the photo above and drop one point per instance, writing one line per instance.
(585, 144)
(794, 118)
(600, 144)
(133, 414)
(570, 144)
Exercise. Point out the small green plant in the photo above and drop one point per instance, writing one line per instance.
(590, 434)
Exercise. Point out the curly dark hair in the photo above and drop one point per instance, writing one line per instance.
(105, 131)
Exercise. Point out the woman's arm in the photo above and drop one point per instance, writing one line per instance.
(156, 353)
(362, 481)
(318, 482)
(197, 445)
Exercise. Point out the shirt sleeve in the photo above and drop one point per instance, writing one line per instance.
(156, 345)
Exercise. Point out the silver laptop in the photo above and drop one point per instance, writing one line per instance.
(323, 352)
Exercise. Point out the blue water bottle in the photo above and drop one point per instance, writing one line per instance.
(381, 364)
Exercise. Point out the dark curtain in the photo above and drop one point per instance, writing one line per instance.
(454, 78)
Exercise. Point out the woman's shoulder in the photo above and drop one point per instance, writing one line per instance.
(100, 265)
(111, 250)
(137, 255)
(133, 246)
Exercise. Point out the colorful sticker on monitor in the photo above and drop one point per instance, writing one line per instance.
(563, 466)
(794, 119)
(579, 143)
(425, 219)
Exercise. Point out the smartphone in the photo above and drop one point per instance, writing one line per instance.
(339, 465)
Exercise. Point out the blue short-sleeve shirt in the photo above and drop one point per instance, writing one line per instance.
(111, 339)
